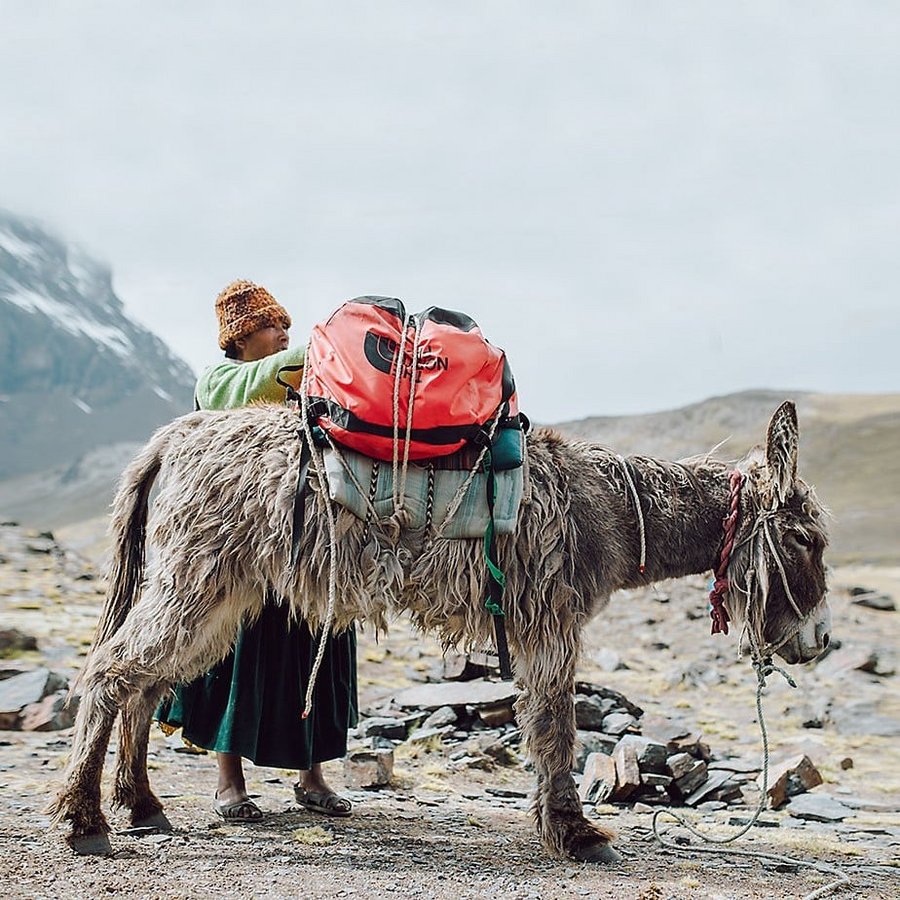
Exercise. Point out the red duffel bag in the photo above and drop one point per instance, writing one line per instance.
(452, 382)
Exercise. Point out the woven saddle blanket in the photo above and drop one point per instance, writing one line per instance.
(429, 492)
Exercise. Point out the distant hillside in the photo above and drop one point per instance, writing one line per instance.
(77, 373)
(849, 449)
(82, 385)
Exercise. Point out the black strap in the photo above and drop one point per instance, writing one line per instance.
(290, 394)
(300, 500)
(496, 578)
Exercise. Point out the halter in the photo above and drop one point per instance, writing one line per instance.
(759, 533)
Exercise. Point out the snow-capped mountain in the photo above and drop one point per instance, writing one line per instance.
(77, 373)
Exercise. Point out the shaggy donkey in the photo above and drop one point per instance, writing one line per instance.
(222, 529)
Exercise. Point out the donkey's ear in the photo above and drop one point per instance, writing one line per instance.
(781, 451)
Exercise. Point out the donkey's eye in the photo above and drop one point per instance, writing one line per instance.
(801, 540)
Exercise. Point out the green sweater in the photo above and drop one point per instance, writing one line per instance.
(232, 383)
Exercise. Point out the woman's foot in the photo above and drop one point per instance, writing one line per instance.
(241, 810)
(326, 802)
(313, 793)
(231, 801)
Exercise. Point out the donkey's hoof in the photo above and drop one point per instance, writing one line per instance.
(90, 844)
(596, 852)
(155, 822)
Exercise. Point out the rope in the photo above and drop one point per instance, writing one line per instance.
(762, 663)
(410, 406)
(761, 529)
(764, 668)
(642, 566)
(395, 453)
(370, 511)
(319, 461)
(780, 564)
(429, 499)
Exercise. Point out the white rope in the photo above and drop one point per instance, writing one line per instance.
(410, 406)
(318, 458)
(763, 669)
(780, 564)
(759, 531)
(637, 506)
(763, 665)
(398, 372)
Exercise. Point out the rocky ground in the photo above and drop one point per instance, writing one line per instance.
(452, 821)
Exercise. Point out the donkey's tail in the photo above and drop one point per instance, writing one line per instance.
(129, 532)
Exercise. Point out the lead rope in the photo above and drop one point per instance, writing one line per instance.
(764, 668)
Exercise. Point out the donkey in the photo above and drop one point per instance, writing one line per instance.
(591, 522)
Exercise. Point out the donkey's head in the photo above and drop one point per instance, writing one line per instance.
(777, 570)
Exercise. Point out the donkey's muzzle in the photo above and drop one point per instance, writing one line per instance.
(811, 639)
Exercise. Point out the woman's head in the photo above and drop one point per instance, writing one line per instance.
(252, 323)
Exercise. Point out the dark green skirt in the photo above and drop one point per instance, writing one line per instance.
(250, 704)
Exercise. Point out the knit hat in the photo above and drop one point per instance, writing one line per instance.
(244, 307)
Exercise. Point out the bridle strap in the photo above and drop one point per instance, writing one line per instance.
(717, 611)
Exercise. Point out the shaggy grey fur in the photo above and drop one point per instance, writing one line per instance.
(221, 534)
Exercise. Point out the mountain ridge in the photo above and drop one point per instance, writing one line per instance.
(78, 372)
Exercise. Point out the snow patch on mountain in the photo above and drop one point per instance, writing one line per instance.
(15, 246)
(64, 316)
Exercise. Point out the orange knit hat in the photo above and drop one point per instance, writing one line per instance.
(244, 307)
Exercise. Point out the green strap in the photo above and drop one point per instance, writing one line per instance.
(496, 576)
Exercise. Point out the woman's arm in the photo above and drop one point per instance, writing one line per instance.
(231, 383)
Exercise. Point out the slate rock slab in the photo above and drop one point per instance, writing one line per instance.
(818, 808)
(21, 690)
(50, 714)
(383, 726)
(589, 713)
(13, 639)
(599, 781)
(875, 600)
(463, 693)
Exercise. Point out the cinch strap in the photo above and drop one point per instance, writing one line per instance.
(496, 576)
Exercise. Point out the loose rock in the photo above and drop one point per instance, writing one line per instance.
(369, 768)
(791, 777)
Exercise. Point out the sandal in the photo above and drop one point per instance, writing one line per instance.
(238, 810)
(326, 802)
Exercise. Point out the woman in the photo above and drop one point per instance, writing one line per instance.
(249, 705)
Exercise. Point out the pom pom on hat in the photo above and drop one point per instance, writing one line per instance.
(244, 307)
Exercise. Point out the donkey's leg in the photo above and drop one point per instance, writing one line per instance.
(153, 647)
(132, 786)
(105, 691)
(546, 714)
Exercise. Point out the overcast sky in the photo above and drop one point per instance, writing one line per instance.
(645, 203)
